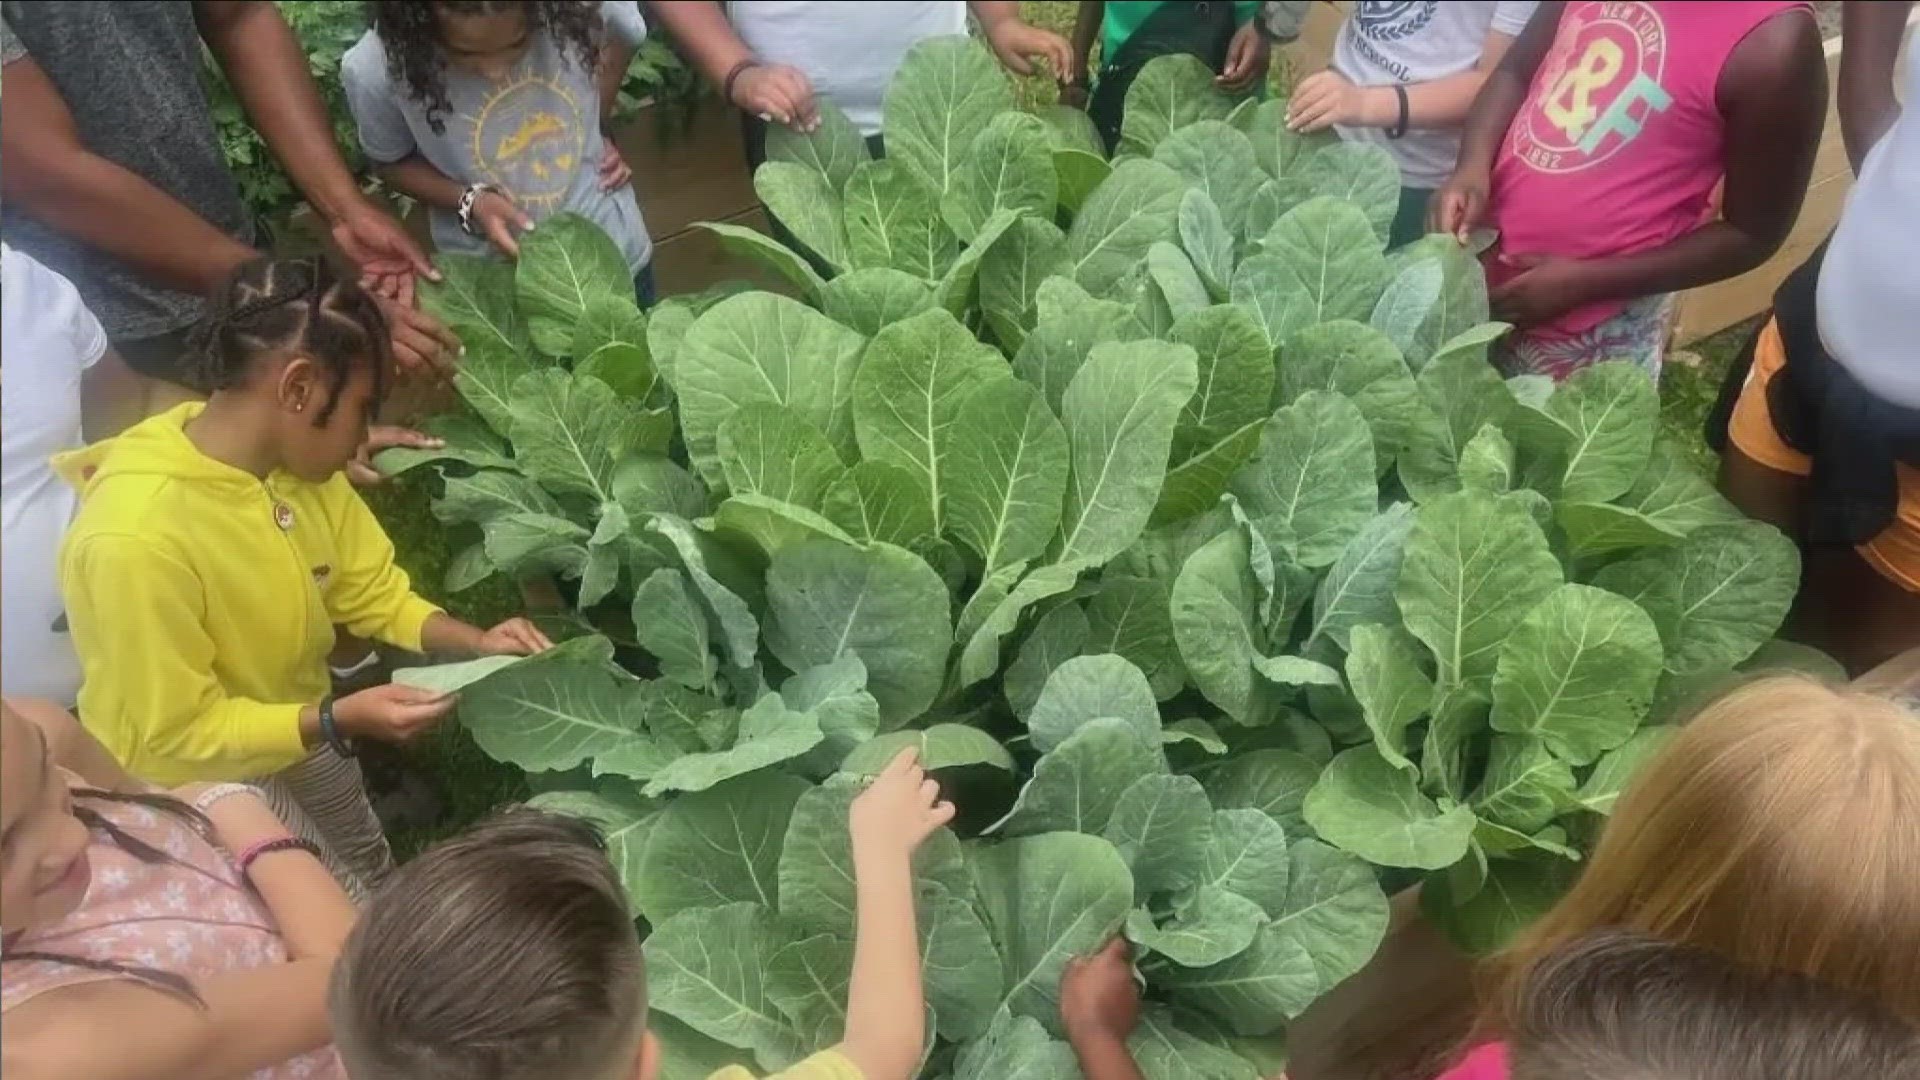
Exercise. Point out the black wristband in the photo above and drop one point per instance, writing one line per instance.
(733, 76)
(1399, 127)
(330, 731)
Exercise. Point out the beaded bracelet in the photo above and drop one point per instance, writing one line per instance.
(251, 854)
(204, 801)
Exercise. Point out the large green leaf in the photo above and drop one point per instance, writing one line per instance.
(1174, 1046)
(876, 501)
(1274, 782)
(624, 821)
(1216, 624)
(1136, 206)
(1524, 786)
(1087, 688)
(894, 221)
(1016, 1048)
(941, 746)
(868, 299)
(801, 198)
(1170, 92)
(708, 968)
(1129, 617)
(475, 298)
(670, 624)
(1716, 596)
(980, 656)
(769, 734)
(1458, 318)
(1459, 716)
(718, 846)
(944, 94)
(1321, 261)
(1475, 565)
(1461, 394)
(1335, 908)
(1361, 173)
(746, 243)
(767, 449)
(762, 347)
(955, 289)
(1007, 471)
(1312, 477)
(1358, 361)
(1030, 251)
(1208, 240)
(646, 485)
(1060, 342)
(1407, 301)
(1674, 495)
(908, 394)
(555, 710)
(518, 543)
(1194, 485)
(1514, 896)
(1579, 673)
(450, 678)
(1218, 161)
(1280, 150)
(1246, 854)
(806, 979)
(1211, 925)
(1236, 377)
(1255, 992)
(1612, 411)
(1359, 586)
(610, 343)
(1162, 825)
(1363, 804)
(1383, 667)
(1616, 767)
(1176, 286)
(1077, 785)
(1009, 167)
(1080, 174)
(568, 432)
(959, 963)
(815, 861)
(1049, 899)
(833, 149)
(1061, 634)
(1120, 412)
(882, 603)
(565, 264)
(734, 617)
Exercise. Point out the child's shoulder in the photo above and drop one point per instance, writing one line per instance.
(365, 61)
(825, 1065)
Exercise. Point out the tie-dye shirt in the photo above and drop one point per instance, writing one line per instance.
(195, 917)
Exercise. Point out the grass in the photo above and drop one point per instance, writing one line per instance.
(469, 783)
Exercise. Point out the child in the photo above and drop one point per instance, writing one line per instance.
(1226, 37)
(510, 954)
(492, 114)
(1611, 1006)
(1594, 152)
(1402, 77)
(150, 937)
(215, 548)
(1775, 829)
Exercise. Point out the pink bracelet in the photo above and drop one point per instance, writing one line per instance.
(252, 852)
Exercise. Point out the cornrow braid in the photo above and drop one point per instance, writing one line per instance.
(277, 306)
(410, 34)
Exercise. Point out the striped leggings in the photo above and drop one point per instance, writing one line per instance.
(324, 799)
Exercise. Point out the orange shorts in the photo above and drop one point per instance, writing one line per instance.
(1895, 553)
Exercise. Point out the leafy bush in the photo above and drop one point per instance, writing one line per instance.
(1187, 532)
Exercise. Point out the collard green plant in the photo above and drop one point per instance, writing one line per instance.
(1186, 532)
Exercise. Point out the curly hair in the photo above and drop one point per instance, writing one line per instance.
(409, 31)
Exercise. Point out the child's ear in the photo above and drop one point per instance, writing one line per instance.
(299, 388)
(647, 1064)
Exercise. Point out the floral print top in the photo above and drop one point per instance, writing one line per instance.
(195, 917)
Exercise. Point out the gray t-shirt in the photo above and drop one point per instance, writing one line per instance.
(849, 49)
(1414, 41)
(535, 136)
(130, 75)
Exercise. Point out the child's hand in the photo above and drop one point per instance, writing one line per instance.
(1247, 59)
(1547, 288)
(777, 93)
(1324, 99)
(392, 713)
(498, 220)
(1460, 205)
(899, 810)
(515, 637)
(614, 172)
(1099, 1001)
(361, 471)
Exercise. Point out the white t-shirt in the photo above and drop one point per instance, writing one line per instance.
(48, 339)
(1384, 42)
(848, 50)
(1870, 283)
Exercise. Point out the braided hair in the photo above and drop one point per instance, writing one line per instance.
(409, 31)
(168, 982)
(274, 306)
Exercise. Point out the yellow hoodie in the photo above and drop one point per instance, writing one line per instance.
(202, 601)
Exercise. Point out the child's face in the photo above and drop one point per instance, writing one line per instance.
(488, 43)
(314, 450)
(44, 872)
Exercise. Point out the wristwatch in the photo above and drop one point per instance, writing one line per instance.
(467, 199)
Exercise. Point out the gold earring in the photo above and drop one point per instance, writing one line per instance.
(299, 406)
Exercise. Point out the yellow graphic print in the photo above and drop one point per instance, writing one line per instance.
(1600, 88)
(529, 140)
(1570, 103)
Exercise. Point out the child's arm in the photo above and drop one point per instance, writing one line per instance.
(493, 213)
(1086, 30)
(1772, 92)
(886, 1010)
(1100, 1006)
(311, 911)
(777, 93)
(1326, 98)
(1017, 43)
(1462, 201)
(515, 637)
(1868, 108)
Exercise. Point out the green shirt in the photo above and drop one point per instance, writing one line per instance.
(1123, 17)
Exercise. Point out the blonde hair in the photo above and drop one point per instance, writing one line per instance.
(1780, 828)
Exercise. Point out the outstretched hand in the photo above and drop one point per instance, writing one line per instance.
(389, 259)
(899, 810)
(1099, 999)
(1247, 60)
(361, 470)
(1018, 44)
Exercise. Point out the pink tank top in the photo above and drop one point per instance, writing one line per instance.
(194, 917)
(1487, 1061)
(1620, 142)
